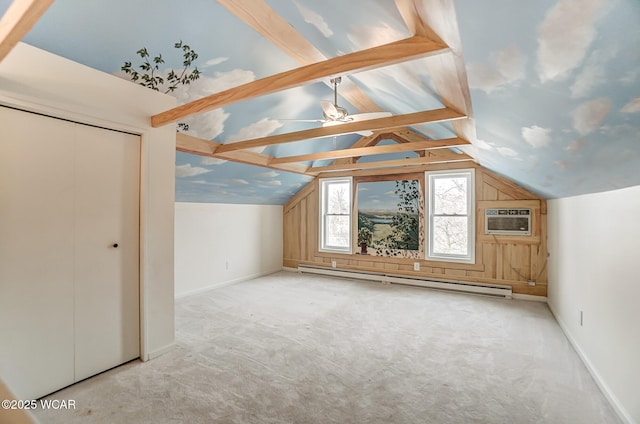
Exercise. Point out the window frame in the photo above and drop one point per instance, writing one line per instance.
(431, 176)
(323, 193)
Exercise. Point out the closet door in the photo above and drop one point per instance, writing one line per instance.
(69, 297)
(36, 253)
(106, 303)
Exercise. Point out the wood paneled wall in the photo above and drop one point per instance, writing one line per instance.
(512, 260)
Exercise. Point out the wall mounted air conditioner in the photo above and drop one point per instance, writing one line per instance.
(512, 221)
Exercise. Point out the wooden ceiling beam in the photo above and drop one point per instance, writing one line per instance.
(400, 135)
(18, 20)
(411, 16)
(258, 15)
(400, 171)
(406, 135)
(195, 145)
(201, 147)
(437, 115)
(265, 21)
(373, 150)
(259, 159)
(363, 142)
(430, 158)
(448, 72)
(387, 54)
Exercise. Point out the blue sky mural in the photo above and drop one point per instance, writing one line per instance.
(554, 83)
(556, 91)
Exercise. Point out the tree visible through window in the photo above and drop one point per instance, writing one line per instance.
(336, 214)
(451, 215)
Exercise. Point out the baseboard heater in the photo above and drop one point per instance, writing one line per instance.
(498, 290)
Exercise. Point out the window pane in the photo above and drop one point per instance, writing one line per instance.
(450, 196)
(337, 231)
(338, 198)
(450, 235)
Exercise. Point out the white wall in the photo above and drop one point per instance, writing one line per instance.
(35, 80)
(594, 243)
(218, 244)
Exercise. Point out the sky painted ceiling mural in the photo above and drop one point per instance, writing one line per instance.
(555, 84)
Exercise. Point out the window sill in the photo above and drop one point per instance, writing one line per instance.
(452, 259)
(335, 251)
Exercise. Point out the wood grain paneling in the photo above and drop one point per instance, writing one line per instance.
(512, 260)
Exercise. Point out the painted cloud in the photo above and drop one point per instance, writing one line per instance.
(186, 170)
(262, 128)
(315, 19)
(364, 37)
(505, 67)
(592, 75)
(536, 136)
(632, 107)
(588, 116)
(563, 47)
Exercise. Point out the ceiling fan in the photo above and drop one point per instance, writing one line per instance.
(335, 115)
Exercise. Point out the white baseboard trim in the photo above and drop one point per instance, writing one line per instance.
(613, 400)
(160, 352)
(514, 295)
(529, 297)
(224, 284)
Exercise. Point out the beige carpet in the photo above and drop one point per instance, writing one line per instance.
(291, 348)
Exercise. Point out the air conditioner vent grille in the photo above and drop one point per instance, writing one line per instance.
(512, 221)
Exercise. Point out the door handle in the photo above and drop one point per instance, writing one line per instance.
(115, 245)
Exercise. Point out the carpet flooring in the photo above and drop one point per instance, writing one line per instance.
(292, 348)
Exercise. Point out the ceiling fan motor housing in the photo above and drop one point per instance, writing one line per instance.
(338, 114)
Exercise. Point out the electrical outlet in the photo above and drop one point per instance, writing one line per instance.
(333, 264)
(416, 266)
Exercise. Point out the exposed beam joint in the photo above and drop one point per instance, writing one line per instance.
(448, 72)
(437, 115)
(194, 145)
(201, 147)
(18, 20)
(388, 54)
(411, 16)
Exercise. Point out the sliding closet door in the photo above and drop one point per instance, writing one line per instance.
(107, 331)
(69, 251)
(36, 253)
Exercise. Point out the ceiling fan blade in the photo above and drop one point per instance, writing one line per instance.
(330, 110)
(331, 123)
(364, 133)
(359, 117)
(367, 116)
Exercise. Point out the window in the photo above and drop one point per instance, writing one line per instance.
(451, 216)
(335, 214)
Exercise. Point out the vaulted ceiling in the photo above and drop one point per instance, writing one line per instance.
(546, 92)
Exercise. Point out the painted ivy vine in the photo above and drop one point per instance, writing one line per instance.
(150, 75)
